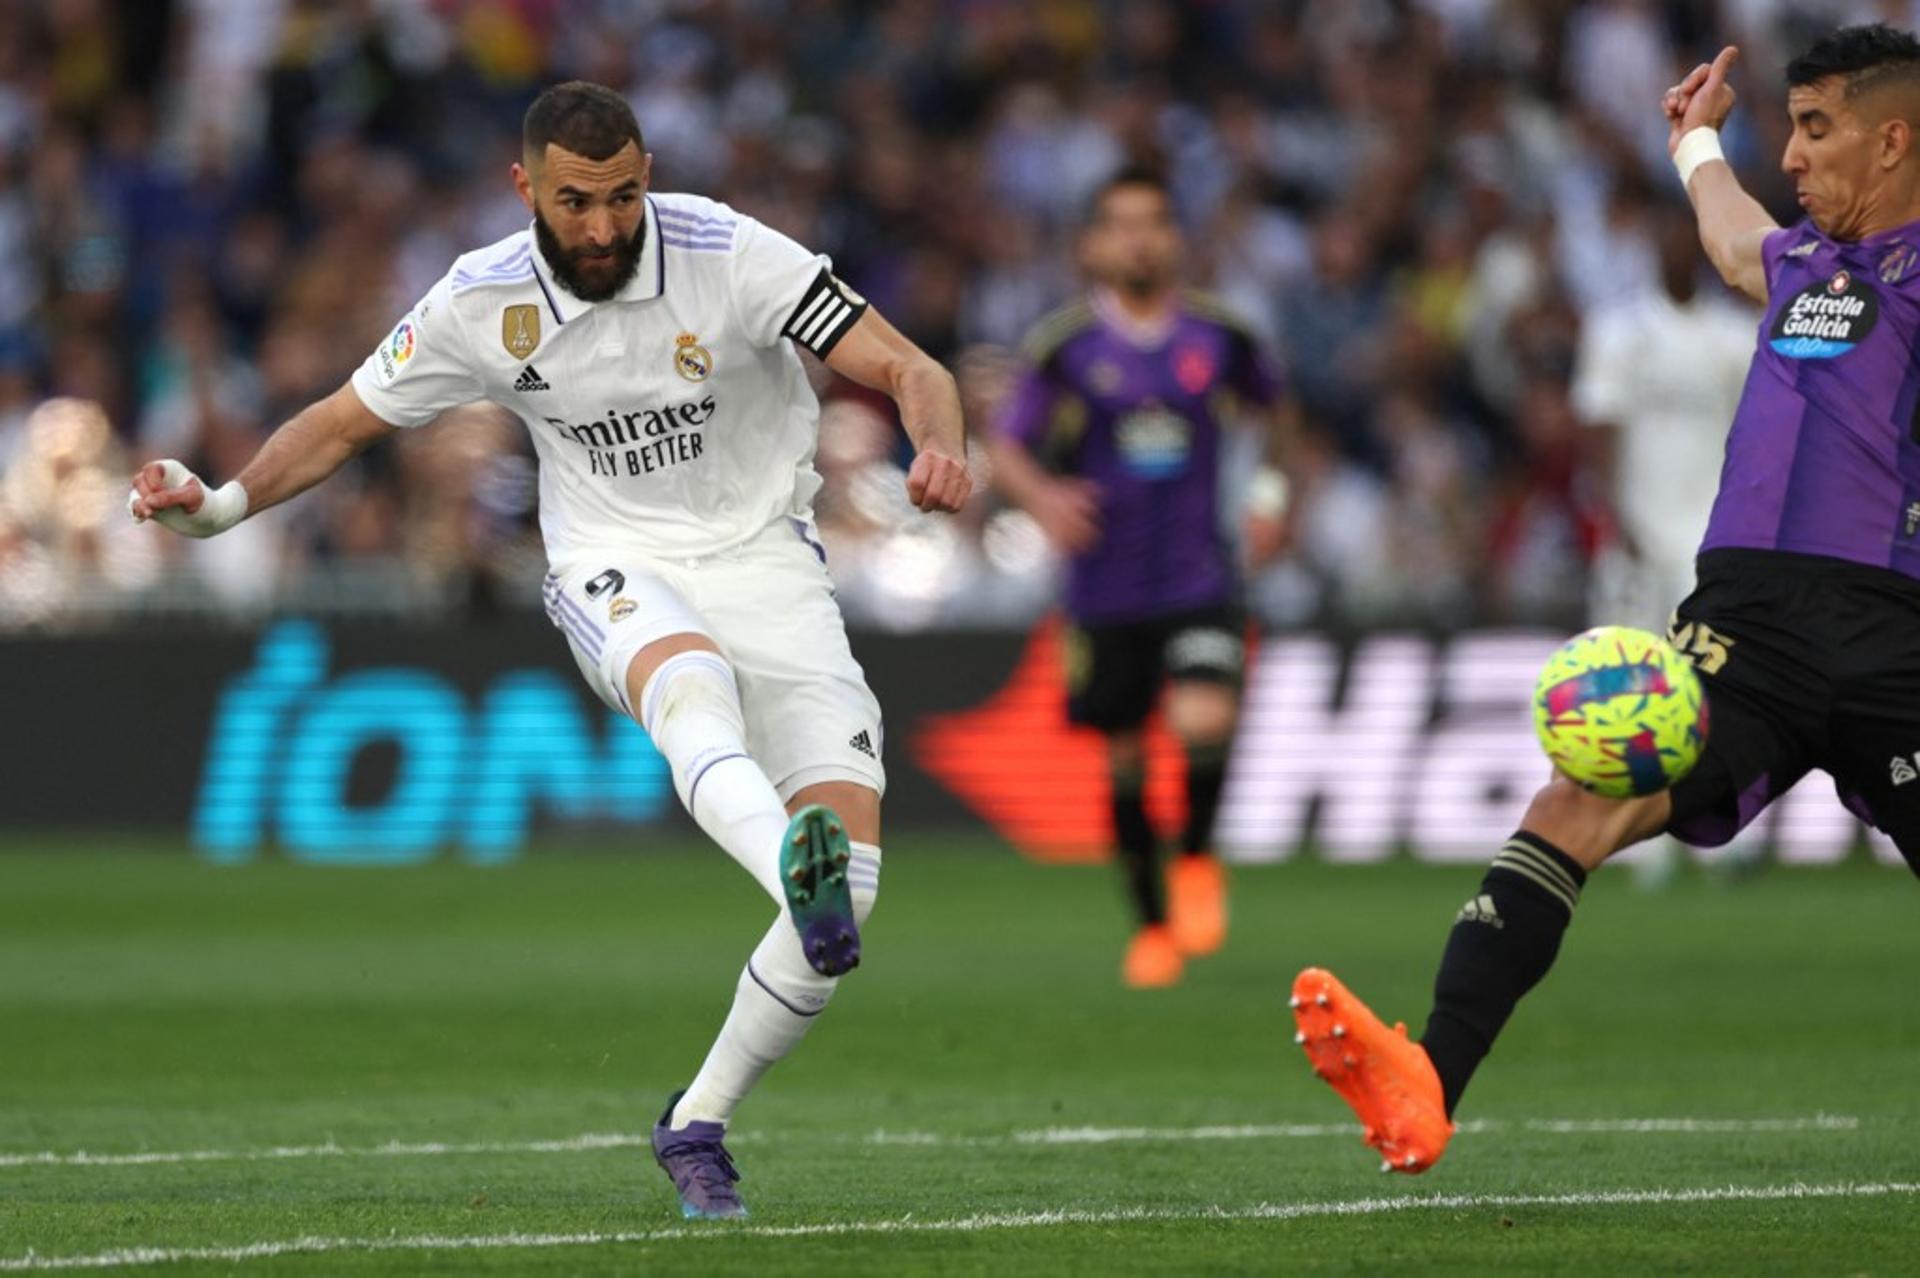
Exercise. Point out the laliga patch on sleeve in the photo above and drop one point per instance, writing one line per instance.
(398, 349)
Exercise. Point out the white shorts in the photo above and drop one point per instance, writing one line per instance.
(768, 606)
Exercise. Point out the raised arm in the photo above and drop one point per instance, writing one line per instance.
(876, 354)
(1733, 226)
(308, 448)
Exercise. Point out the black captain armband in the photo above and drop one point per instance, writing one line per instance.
(825, 313)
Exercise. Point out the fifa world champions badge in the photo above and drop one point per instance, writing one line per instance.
(690, 359)
(520, 330)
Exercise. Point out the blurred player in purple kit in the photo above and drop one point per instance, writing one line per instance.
(1805, 622)
(1112, 442)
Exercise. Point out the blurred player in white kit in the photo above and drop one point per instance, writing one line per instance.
(648, 342)
(1663, 372)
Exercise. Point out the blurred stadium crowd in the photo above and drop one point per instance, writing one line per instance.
(210, 210)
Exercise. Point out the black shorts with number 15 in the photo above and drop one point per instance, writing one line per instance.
(1808, 662)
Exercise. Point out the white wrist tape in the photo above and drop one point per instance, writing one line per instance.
(1267, 493)
(220, 508)
(1696, 147)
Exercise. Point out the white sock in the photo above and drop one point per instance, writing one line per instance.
(774, 1004)
(691, 709)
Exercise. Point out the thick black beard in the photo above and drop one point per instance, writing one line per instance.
(625, 253)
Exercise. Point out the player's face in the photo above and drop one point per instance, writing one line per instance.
(1832, 157)
(587, 215)
(1134, 243)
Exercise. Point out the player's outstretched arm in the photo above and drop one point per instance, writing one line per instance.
(304, 451)
(876, 354)
(1733, 226)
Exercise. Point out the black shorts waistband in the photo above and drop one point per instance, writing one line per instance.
(1748, 563)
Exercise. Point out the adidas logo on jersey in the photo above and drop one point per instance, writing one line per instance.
(530, 380)
(863, 742)
(1902, 771)
(1480, 910)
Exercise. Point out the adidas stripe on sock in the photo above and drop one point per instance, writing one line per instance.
(1503, 942)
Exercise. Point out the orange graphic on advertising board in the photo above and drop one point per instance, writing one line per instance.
(1040, 782)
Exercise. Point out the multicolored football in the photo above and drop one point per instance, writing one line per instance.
(1620, 711)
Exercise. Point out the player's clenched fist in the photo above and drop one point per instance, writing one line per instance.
(938, 482)
(174, 497)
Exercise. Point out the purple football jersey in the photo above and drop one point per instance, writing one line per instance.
(1142, 420)
(1823, 457)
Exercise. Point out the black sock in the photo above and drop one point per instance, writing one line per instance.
(1139, 847)
(1503, 942)
(1206, 777)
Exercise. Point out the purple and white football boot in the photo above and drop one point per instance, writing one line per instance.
(699, 1166)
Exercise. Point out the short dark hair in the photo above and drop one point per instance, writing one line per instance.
(589, 120)
(1130, 176)
(1866, 56)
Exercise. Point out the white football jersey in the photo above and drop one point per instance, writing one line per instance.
(674, 418)
(1669, 377)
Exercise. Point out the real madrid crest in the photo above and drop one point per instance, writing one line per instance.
(520, 330)
(690, 359)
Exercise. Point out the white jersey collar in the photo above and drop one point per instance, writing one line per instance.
(649, 277)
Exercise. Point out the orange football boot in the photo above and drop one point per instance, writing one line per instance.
(1197, 904)
(1153, 961)
(1388, 1080)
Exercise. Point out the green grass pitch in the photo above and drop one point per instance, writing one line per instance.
(451, 1070)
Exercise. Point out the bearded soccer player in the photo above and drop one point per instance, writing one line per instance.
(649, 342)
(1805, 620)
(1113, 443)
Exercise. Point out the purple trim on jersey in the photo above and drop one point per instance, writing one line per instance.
(800, 531)
(696, 219)
(659, 256)
(516, 265)
(551, 305)
(692, 231)
(722, 233)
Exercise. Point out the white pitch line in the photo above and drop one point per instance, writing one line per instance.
(1636, 1126)
(590, 1141)
(392, 1149)
(32, 1262)
(1295, 1131)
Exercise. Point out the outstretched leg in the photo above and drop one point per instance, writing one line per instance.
(1503, 942)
